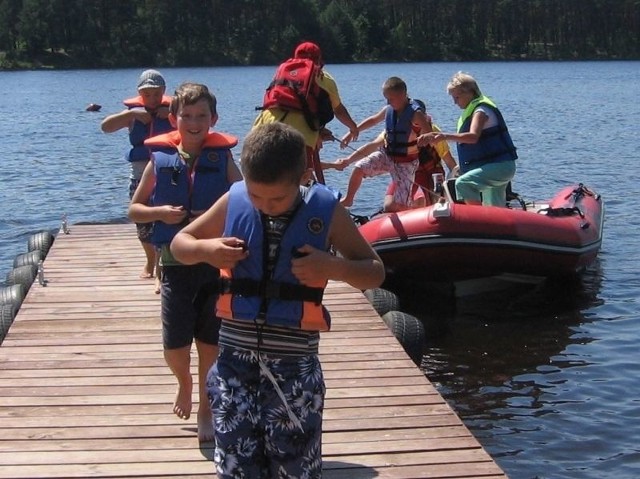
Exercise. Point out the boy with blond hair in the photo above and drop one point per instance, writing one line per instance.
(145, 115)
(399, 153)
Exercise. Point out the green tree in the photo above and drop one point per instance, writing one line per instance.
(9, 19)
(103, 33)
(33, 26)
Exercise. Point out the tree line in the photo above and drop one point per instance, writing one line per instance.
(166, 33)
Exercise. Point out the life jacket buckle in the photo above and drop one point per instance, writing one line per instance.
(272, 289)
(225, 286)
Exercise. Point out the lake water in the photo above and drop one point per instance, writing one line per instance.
(548, 380)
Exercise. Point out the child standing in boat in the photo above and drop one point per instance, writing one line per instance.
(430, 161)
(194, 169)
(271, 238)
(399, 153)
(146, 115)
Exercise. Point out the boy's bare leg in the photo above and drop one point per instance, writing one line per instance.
(355, 180)
(179, 361)
(419, 203)
(393, 207)
(390, 206)
(207, 355)
(158, 281)
(150, 253)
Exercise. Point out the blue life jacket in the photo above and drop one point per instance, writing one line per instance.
(194, 189)
(494, 144)
(140, 132)
(398, 129)
(246, 287)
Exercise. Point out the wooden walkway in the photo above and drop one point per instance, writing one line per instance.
(85, 392)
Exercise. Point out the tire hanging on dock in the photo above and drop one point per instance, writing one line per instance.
(30, 257)
(13, 294)
(11, 298)
(382, 300)
(7, 315)
(409, 331)
(40, 241)
(21, 277)
(24, 275)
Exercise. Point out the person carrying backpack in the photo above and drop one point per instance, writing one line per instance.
(305, 96)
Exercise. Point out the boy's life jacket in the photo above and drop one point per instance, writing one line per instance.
(140, 132)
(247, 292)
(495, 143)
(294, 88)
(399, 129)
(194, 188)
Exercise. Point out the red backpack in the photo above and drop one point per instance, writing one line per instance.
(294, 88)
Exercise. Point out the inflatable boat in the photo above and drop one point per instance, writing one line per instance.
(452, 241)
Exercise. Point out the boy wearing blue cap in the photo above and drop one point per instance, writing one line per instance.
(146, 115)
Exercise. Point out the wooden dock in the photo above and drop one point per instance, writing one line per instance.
(85, 391)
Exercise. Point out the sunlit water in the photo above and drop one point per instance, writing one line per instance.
(547, 379)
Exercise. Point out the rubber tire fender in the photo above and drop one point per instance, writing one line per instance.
(40, 241)
(13, 294)
(30, 257)
(382, 300)
(24, 275)
(7, 315)
(409, 331)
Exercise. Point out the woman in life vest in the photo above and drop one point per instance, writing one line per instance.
(486, 153)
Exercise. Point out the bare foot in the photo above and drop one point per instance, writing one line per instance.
(346, 202)
(182, 405)
(206, 432)
(157, 286)
(145, 274)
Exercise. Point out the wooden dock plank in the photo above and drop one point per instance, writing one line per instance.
(85, 392)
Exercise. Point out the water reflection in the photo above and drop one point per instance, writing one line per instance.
(493, 340)
(503, 356)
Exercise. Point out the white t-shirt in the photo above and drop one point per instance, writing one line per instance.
(492, 118)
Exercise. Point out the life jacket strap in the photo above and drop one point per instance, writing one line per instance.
(270, 290)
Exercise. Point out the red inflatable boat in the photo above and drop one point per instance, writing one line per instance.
(455, 242)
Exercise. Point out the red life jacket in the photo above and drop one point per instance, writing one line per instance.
(294, 87)
(137, 101)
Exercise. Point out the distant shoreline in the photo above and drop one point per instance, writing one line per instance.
(61, 61)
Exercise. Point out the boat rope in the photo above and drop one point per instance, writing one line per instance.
(580, 191)
(342, 144)
(561, 211)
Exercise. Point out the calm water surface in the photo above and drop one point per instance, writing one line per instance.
(548, 380)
